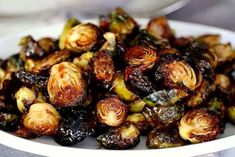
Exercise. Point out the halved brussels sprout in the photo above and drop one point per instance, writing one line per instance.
(164, 97)
(29, 64)
(42, 119)
(103, 68)
(181, 43)
(110, 43)
(30, 48)
(199, 126)
(199, 95)
(24, 132)
(159, 28)
(12, 64)
(83, 37)
(137, 82)
(222, 82)
(210, 39)
(136, 106)
(179, 74)
(124, 137)
(163, 116)
(120, 88)
(111, 111)
(164, 138)
(30, 79)
(141, 56)
(230, 111)
(216, 106)
(48, 44)
(121, 22)
(211, 57)
(66, 85)
(8, 121)
(72, 22)
(24, 98)
(84, 60)
(47, 62)
(139, 121)
(224, 52)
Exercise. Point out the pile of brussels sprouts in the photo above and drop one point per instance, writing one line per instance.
(116, 82)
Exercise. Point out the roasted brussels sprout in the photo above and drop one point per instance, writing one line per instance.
(177, 74)
(164, 97)
(139, 121)
(137, 82)
(199, 126)
(30, 79)
(230, 111)
(163, 116)
(48, 44)
(216, 106)
(66, 85)
(8, 121)
(199, 95)
(110, 43)
(210, 39)
(42, 119)
(141, 56)
(119, 87)
(72, 131)
(83, 37)
(103, 68)
(23, 132)
(136, 106)
(29, 64)
(222, 82)
(224, 52)
(12, 64)
(72, 22)
(124, 137)
(111, 111)
(46, 63)
(24, 98)
(164, 138)
(159, 27)
(122, 23)
(30, 48)
(84, 60)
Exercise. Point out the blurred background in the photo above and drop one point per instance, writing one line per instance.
(20, 15)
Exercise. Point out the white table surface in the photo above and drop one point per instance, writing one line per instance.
(219, 13)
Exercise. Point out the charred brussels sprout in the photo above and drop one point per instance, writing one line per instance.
(199, 126)
(66, 85)
(48, 44)
(164, 138)
(136, 106)
(163, 116)
(231, 113)
(83, 37)
(164, 97)
(24, 132)
(103, 68)
(159, 27)
(224, 52)
(111, 111)
(222, 82)
(42, 119)
(124, 137)
(72, 22)
(210, 39)
(24, 98)
(216, 106)
(8, 121)
(30, 48)
(138, 82)
(30, 79)
(12, 64)
(84, 60)
(139, 121)
(47, 62)
(199, 95)
(179, 74)
(141, 56)
(119, 87)
(122, 23)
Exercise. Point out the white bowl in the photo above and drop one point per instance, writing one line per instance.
(46, 145)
